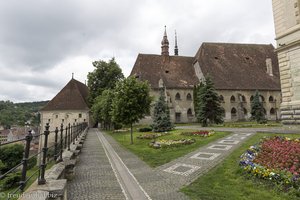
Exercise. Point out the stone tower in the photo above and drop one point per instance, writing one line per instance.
(165, 44)
(287, 27)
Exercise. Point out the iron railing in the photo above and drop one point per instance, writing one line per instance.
(63, 138)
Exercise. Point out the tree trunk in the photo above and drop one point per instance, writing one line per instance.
(131, 134)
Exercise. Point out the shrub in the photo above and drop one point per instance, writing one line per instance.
(11, 155)
(11, 180)
(145, 129)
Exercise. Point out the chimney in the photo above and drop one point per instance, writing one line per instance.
(269, 66)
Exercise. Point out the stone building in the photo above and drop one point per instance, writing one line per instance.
(287, 28)
(68, 106)
(237, 70)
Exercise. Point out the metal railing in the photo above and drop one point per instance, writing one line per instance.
(63, 138)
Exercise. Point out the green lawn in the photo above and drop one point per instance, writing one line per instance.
(226, 182)
(157, 157)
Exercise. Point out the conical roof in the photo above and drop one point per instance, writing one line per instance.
(72, 97)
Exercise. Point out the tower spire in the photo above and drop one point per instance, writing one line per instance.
(165, 44)
(176, 47)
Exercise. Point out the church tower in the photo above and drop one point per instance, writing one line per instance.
(176, 47)
(165, 44)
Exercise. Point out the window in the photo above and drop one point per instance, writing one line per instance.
(233, 113)
(189, 113)
(272, 111)
(262, 98)
(265, 112)
(189, 97)
(245, 111)
(56, 116)
(243, 98)
(177, 97)
(178, 117)
(232, 99)
(75, 120)
(251, 98)
(271, 99)
(80, 115)
(222, 98)
(62, 120)
(49, 120)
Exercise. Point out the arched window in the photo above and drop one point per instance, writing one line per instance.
(271, 99)
(243, 98)
(233, 113)
(261, 98)
(272, 111)
(189, 97)
(245, 111)
(177, 97)
(222, 98)
(265, 112)
(251, 98)
(189, 113)
(232, 99)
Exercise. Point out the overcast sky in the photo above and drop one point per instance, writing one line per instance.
(42, 42)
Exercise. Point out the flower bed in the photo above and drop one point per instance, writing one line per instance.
(171, 143)
(151, 135)
(199, 133)
(275, 159)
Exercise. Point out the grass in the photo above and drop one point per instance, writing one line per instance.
(4, 194)
(157, 157)
(227, 182)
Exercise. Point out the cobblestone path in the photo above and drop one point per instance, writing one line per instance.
(94, 177)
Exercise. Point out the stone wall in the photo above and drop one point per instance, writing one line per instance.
(179, 107)
(287, 28)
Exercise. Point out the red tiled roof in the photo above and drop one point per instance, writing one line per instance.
(175, 71)
(72, 97)
(239, 66)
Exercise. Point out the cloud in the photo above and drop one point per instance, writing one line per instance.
(43, 42)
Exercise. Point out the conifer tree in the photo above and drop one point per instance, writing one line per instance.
(209, 108)
(161, 115)
(257, 109)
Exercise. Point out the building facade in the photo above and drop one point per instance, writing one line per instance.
(69, 106)
(237, 70)
(287, 28)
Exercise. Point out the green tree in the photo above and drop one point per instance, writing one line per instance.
(105, 76)
(257, 109)
(11, 155)
(131, 102)
(161, 115)
(209, 108)
(102, 108)
(195, 95)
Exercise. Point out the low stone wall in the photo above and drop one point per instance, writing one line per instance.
(57, 177)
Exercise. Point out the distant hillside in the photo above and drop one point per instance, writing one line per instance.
(19, 113)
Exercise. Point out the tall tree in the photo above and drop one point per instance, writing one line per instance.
(161, 115)
(105, 76)
(195, 95)
(209, 107)
(131, 102)
(102, 108)
(257, 109)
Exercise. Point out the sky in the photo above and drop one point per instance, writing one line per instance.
(43, 42)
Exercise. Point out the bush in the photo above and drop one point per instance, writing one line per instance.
(11, 180)
(145, 129)
(32, 162)
(11, 155)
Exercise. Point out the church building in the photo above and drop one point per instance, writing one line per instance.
(237, 70)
